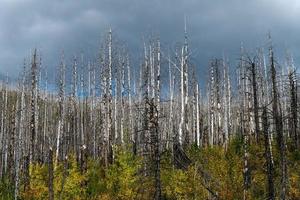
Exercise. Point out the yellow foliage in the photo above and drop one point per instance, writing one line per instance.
(68, 186)
(121, 177)
(69, 183)
(179, 184)
(216, 168)
(38, 183)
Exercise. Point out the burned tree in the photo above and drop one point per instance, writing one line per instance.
(277, 115)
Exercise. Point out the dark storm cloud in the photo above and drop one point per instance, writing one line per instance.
(214, 26)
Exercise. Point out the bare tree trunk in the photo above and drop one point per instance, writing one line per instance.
(171, 93)
(197, 117)
(116, 98)
(123, 102)
(294, 107)
(4, 130)
(181, 125)
(50, 174)
(61, 111)
(109, 121)
(227, 105)
(130, 126)
(268, 156)
(211, 107)
(19, 137)
(93, 112)
(255, 101)
(45, 120)
(33, 127)
(154, 127)
(279, 130)
(246, 163)
(74, 107)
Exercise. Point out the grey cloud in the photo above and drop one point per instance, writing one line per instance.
(214, 26)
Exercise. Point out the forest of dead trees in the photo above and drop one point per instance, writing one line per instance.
(152, 109)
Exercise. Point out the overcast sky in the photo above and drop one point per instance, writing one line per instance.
(214, 26)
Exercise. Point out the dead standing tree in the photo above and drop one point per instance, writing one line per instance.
(33, 97)
(277, 115)
(293, 108)
(61, 110)
(268, 155)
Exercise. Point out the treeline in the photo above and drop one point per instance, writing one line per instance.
(148, 131)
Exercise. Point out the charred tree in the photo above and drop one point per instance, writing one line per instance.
(268, 156)
(278, 128)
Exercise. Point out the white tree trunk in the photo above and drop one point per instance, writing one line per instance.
(197, 116)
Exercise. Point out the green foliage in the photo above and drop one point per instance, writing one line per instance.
(294, 174)
(96, 184)
(69, 183)
(215, 168)
(179, 184)
(38, 183)
(225, 169)
(122, 176)
(6, 189)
